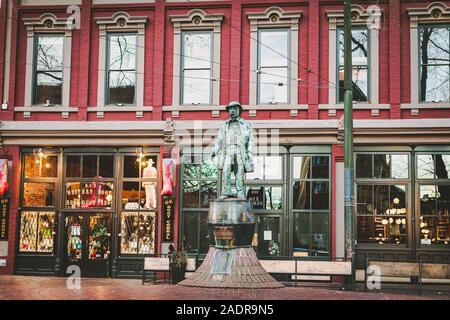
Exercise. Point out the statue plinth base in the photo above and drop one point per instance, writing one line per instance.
(231, 261)
(246, 272)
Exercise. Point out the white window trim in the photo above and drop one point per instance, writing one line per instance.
(121, 22)
(434, 13)
(196, 20)
(48, 23)
(364, 18)
(274, 17)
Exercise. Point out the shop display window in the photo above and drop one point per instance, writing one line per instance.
(37, 230)
(89, 195)
(139, 199)
(382, 213)
(433, 176)
(138, 233)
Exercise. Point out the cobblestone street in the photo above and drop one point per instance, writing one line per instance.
(37, 288)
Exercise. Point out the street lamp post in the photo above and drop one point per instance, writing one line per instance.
(348, 145)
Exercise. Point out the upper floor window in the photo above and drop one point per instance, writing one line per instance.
(273, 65)
(121, 60)
(196, 67)
(48, 78)
(360, 64)
(121, 66)
(273, 77)
(434, 63)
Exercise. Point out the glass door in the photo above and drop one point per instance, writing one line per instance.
(88, 243)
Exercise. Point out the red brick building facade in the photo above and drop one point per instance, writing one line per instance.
(94, 89)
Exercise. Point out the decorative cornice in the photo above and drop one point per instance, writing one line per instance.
(121, 21)
(197, 19)
(435, 12)
(48, 22)
(359, 15)
(274, 17)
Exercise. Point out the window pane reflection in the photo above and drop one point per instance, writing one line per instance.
(363, 165)
(302, 167)
(425, 166)
(302, 195)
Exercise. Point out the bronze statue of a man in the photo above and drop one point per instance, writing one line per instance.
(233, 151)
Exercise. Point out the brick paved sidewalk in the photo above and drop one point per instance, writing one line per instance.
(37, 288)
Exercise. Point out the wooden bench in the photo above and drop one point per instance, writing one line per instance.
(154, 265)
(407, 271)
(307, 268)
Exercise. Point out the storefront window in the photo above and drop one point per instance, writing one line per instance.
(433, 173)
(89, 182)
(89, 195)
(268, 236)
(382, 213)
(199, 187)
(37, 215)
(139, 198)
(381, 166)
(37, 230)
(39, 194)
(311, 203)
(138, 233)
(265, 198)
(36, 166)
(266, 168)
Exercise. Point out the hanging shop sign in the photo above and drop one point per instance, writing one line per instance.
(4, 217)
(168, 214)
(4, 199)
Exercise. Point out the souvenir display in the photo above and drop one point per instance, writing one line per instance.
(45, 233)
(137, 233)
(28, 228)
(98, 239)
(74, 238)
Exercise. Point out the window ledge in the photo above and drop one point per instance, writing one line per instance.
(429, 105)
(276, 106)
(40, 108)
(357, 106)
(114, 108)
(193, 108)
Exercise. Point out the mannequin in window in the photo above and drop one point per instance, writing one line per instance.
(150, 172)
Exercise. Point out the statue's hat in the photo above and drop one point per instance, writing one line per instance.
(235, 104)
